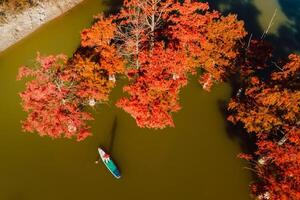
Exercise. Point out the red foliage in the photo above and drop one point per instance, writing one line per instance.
(154, 93)
(55, 98)
(92, 80)
(48, 99)
(192, 39)
(99, 34)
(160, 43)
(94, 69)
(270, 109)
(211, 40)
(163, 41)
(289, 76)
(279, 174)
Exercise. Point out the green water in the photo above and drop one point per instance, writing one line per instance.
(195, 160)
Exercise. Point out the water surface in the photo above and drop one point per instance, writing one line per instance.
(284, 33)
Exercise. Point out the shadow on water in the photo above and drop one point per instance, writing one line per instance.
(285, 41)
(237, 132)
(248, 12)
(113, 6)
(113, 134)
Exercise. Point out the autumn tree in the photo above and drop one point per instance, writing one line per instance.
(52, 108)
(270, 109)
(160, 43)
(62, 87)
(138, 23)
(178, 30)
(210, 40)
(155, 85)
(95, 65)
(155, 91)
(157, 44)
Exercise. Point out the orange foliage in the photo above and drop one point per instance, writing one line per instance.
(211, 40)
(61, 88)
(95, 66)
(220, 46)
(179, 31)
(160, 43)
(154, 92)
(52, 108)
(271, 110)
(272, 104)
(99, 34)
(93, 83)
(290, 73)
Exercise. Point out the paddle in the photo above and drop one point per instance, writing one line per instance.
(97, 161)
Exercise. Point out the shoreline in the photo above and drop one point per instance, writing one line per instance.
(21, 25)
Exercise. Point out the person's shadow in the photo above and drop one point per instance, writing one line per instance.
(112, 134)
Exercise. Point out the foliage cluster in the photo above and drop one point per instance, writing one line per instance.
(269, 107)
(156, 44)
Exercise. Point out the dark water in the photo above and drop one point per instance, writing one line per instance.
(284, 33)
(195, 160)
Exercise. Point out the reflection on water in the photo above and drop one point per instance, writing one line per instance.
(266, 11)
(285, 31)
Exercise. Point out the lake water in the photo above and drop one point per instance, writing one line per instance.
(195, 160)
(284, 33)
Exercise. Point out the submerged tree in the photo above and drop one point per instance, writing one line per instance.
(61, 87)
(155, 91)
(52, 107)
(152, 32)
(156, 44)
(94, 67)
(160, 43)
(210, 40)
(270, 109)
